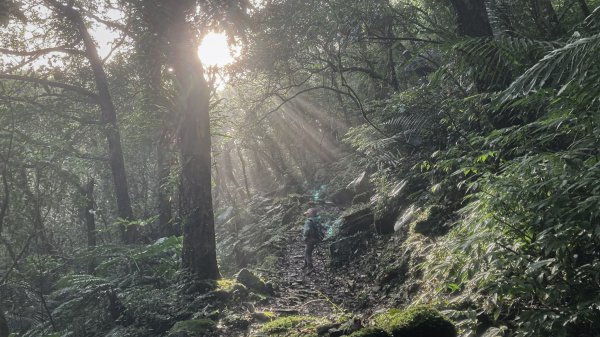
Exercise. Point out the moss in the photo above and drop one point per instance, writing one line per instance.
(270, 262)
(226, 284)
(195, 326)
(292, 326)
(416, 322)
(371, 332)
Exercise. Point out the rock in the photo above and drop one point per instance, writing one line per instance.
(406, 218)
(346, 328)
(236, 321)
(370, 332)
(431, 222)
(361, 198)
(252, 281)
(360, 220)
(324, 329)
(416, 322)
(385, 221)
(261, 316)
(345, 249)
(361, 184)
(342, 197)
(395, 273)
(193, 328)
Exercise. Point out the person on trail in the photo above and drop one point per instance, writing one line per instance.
(312, 235)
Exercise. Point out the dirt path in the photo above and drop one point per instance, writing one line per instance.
(312, 294)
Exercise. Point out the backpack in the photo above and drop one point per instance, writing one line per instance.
(314, 231)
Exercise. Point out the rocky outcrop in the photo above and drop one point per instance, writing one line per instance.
(360, 220)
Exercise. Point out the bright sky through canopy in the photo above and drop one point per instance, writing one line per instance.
(214, 51)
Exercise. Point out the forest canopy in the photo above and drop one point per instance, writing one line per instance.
(156, 156)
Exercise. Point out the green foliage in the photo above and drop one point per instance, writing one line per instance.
(528, 239)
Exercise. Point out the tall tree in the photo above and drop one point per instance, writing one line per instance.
(130, 234)
(199, 247)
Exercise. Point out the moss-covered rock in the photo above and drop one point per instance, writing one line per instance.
(416, 322)
(371, 332)
(292, 326)
(194, 328)
(253, 282)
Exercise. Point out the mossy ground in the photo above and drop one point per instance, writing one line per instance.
(293, 326)
(198, 327)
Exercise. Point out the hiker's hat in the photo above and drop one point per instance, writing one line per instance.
(311, 211)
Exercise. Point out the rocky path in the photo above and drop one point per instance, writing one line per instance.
(311, 293)
(324, 292)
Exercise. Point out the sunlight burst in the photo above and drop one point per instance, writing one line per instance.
(214, 50)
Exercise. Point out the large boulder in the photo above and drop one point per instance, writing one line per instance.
(342, 197)
(358, 221)
(253, 282)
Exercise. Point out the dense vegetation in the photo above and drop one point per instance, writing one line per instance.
(452, 148)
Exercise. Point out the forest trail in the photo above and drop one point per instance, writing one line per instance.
(308, 293)
(318, 293)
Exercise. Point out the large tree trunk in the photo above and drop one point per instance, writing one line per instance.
(546, 19)
(199, 248)
(472, 18)
(4, 332)
(129, 234)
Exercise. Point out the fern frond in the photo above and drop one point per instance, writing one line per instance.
(575, 62)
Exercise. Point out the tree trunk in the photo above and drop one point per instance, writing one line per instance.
(87, 192)
(199, 248)
(243, 164)
(546, 19)
(164, 203)
(129, 234)
(4, 332)
(584, 8)
(472, 18)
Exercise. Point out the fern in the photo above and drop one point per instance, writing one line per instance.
(573, 64)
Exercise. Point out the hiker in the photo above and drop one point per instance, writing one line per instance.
(312, 235)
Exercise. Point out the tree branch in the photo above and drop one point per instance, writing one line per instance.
(65, 86)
